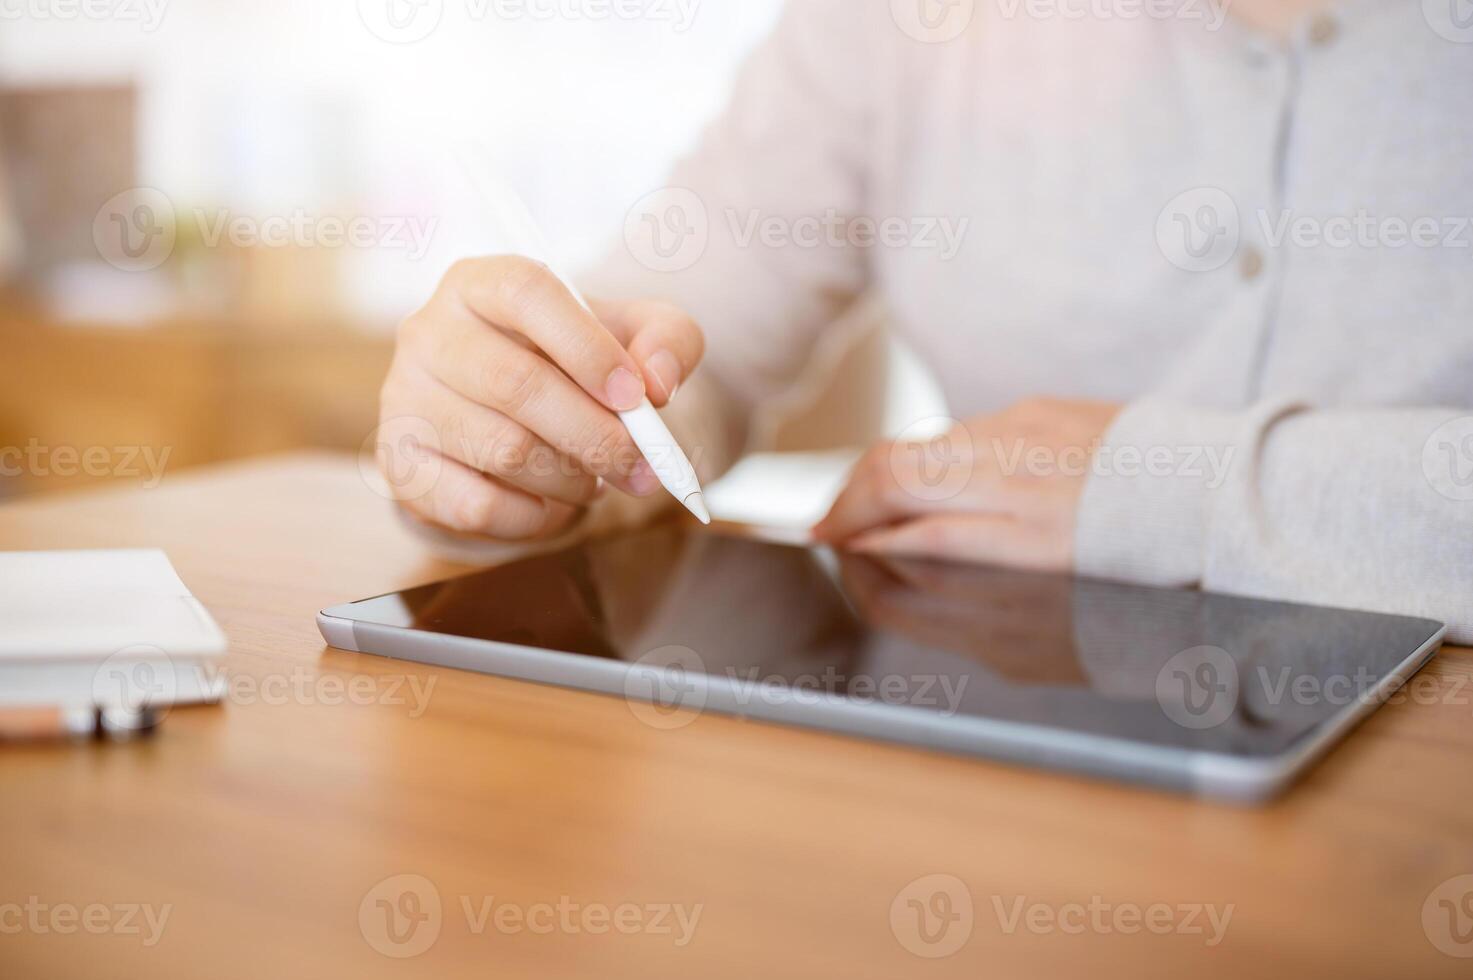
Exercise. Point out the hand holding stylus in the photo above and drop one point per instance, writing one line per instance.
(523, 385)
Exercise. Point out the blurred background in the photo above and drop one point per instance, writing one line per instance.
(212, 214)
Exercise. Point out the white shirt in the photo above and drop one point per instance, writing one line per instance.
(1262, 248)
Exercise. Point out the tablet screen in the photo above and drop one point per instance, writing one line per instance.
(1175, 668)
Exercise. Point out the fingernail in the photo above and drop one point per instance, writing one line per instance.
(625, 391)
(666, 369)
(643, 480)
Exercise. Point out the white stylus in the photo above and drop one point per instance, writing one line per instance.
(519, 234)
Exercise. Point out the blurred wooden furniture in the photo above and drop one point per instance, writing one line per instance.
(64, 150)
(266, 823)
(197, 389)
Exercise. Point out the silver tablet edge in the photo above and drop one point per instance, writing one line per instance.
(1219, 776)
(1257, 780)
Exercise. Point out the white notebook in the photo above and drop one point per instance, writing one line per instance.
(780, 496)
(76, 621)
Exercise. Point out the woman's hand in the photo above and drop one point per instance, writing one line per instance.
(1001, 489)
(498, 414)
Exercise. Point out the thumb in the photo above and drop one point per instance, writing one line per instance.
(663, 340)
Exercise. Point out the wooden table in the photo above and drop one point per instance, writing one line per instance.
(187, 390)
(266, 825)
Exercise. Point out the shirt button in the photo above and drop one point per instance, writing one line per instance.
(1256, 53)
(1250, 264)
(1323, 29)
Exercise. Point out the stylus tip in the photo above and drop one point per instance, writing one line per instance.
(696, 504)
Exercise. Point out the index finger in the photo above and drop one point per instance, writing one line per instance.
(525, 296)
(871, 498)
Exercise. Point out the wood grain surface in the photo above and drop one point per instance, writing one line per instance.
(560, 836)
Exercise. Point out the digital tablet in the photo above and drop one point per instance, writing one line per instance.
(1209, 694)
